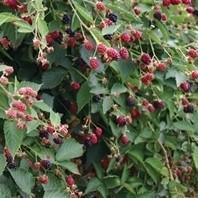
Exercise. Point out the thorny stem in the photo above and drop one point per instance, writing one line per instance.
(167, 160)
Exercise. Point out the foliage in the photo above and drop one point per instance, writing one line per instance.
(98, 99)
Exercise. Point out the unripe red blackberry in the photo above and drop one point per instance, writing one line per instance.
(121, 121)
(98, 131)
(194, 74)
(185, 86)
(166, 2)
(175, 2)
(124, 54)
(43, 179)
(145, 58)
(125, 37)
(93, 63)
(190, 9)
(164, 17)
(100, 6)
(75, 86)
(101, 48)
(113, 53)
(193, 53)
(10, 3)
(124, 139)
(93, 138)
(137, 35)
(147, 78)
(161, 66)
(88, 45)
(186, 2)
(70, 181)
(150, 108)
(135, 113)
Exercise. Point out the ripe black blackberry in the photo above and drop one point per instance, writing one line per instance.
(66, 19)
(70, 32)
(113, 17)
(108, 36)
(157, 15)
(130, 101)
(46, 164)
(189, 108)
(58, 140)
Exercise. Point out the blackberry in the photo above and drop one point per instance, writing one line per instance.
(9, 159)
(66, 19)
(157, 15)
(70, 32)
(108, 36)
(189, 108)
(58, 140)
(113, 17)
(46, 164)
(11, 165)
(130, 101)
(158, 104)
(96, 98)
(44, 134)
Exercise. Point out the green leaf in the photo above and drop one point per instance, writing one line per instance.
(183, 125)
(2, 163)
(5, 191)
(23, 179)
(195, 157)
(118, 88)
(55, 118)
(75, 23)
(124, 68)
(125, 174)
(53, 77)
(107, 104)
(34, 86)
(13, 136)
(156, 164)
(70, 166)
(55, 188)
(93, 185)
(32, 125)
(110, 29)
(83, 96)
(6, 17)
(42, 27)
(111, 181)
(69, 149)
(83, 12)
(42, 106)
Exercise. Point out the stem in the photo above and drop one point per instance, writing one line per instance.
(167, 160)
